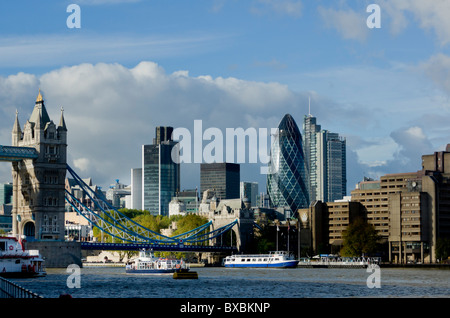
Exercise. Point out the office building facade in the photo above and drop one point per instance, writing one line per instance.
(222, 178)
(6, 193)
(287, 178)
(136, 188)
(325, 154)
(160, 174)
(409, 211)
(249, 190)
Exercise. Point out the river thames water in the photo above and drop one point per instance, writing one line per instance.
(220, 282)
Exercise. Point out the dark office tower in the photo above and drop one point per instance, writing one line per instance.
(162, 134)
(223, 178)
(287, 180)
(160, 174)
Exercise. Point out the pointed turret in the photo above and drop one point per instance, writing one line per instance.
(16, 132)
(62, 122)
(39, 116)
(39, 98)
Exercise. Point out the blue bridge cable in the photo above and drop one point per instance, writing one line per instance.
(96, 215)
(94, 223)
(125, 228)
(215, 233)
(167, 239)
(194, 237)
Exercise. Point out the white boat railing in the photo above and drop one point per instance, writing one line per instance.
(338, 261)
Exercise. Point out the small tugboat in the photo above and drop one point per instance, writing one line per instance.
(185, 274)
(279, 259)
(147, 263)
(16, 262)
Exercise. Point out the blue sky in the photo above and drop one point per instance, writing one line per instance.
(135, 64)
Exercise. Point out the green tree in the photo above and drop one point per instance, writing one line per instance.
(132, 213)
(264, 239)
(360, 238)
(442, 248)
(189, 222)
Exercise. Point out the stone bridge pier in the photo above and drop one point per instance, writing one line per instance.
(228, 211)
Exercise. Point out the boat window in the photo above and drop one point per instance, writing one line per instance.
(17, 261)
(248, 259)
(2, 246)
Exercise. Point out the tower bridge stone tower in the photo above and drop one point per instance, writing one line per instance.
(38, 184)
(224, 212)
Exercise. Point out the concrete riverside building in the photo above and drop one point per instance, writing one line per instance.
(410, 212)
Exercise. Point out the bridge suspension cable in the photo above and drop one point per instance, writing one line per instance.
(112, 222)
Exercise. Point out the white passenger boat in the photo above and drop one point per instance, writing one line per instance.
(15, 261)
(147, 263)
(279, 259)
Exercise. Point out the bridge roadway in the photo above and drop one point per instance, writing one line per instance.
(155, 247)
(8, 153)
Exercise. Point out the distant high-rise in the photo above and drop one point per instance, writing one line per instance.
(6, 193)
(287, 180)
(310, 130)
(325, 154)
(223, 178)
(160, 174)
(249, 190)
(136, 189)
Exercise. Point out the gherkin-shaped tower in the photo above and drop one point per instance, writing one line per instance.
(287, 179)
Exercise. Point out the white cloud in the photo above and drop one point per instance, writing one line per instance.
(111, 110)
(349, 23)
(437, 68)
(81, 164)
(430, 15)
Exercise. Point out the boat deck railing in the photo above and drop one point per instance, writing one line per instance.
(270, 254)
(9, 289)
(341, 261)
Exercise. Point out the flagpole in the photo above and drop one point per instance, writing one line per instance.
(278, 229)
(299, 239)
(288, 229)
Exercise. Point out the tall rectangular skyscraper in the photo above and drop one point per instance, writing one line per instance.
(136, 189)
(311, 150)
(325, 153)
(160, 174)
(223, 178)
(249, 190)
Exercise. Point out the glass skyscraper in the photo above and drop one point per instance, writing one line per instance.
(160, 174)
(287, 180)
(325, 154)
